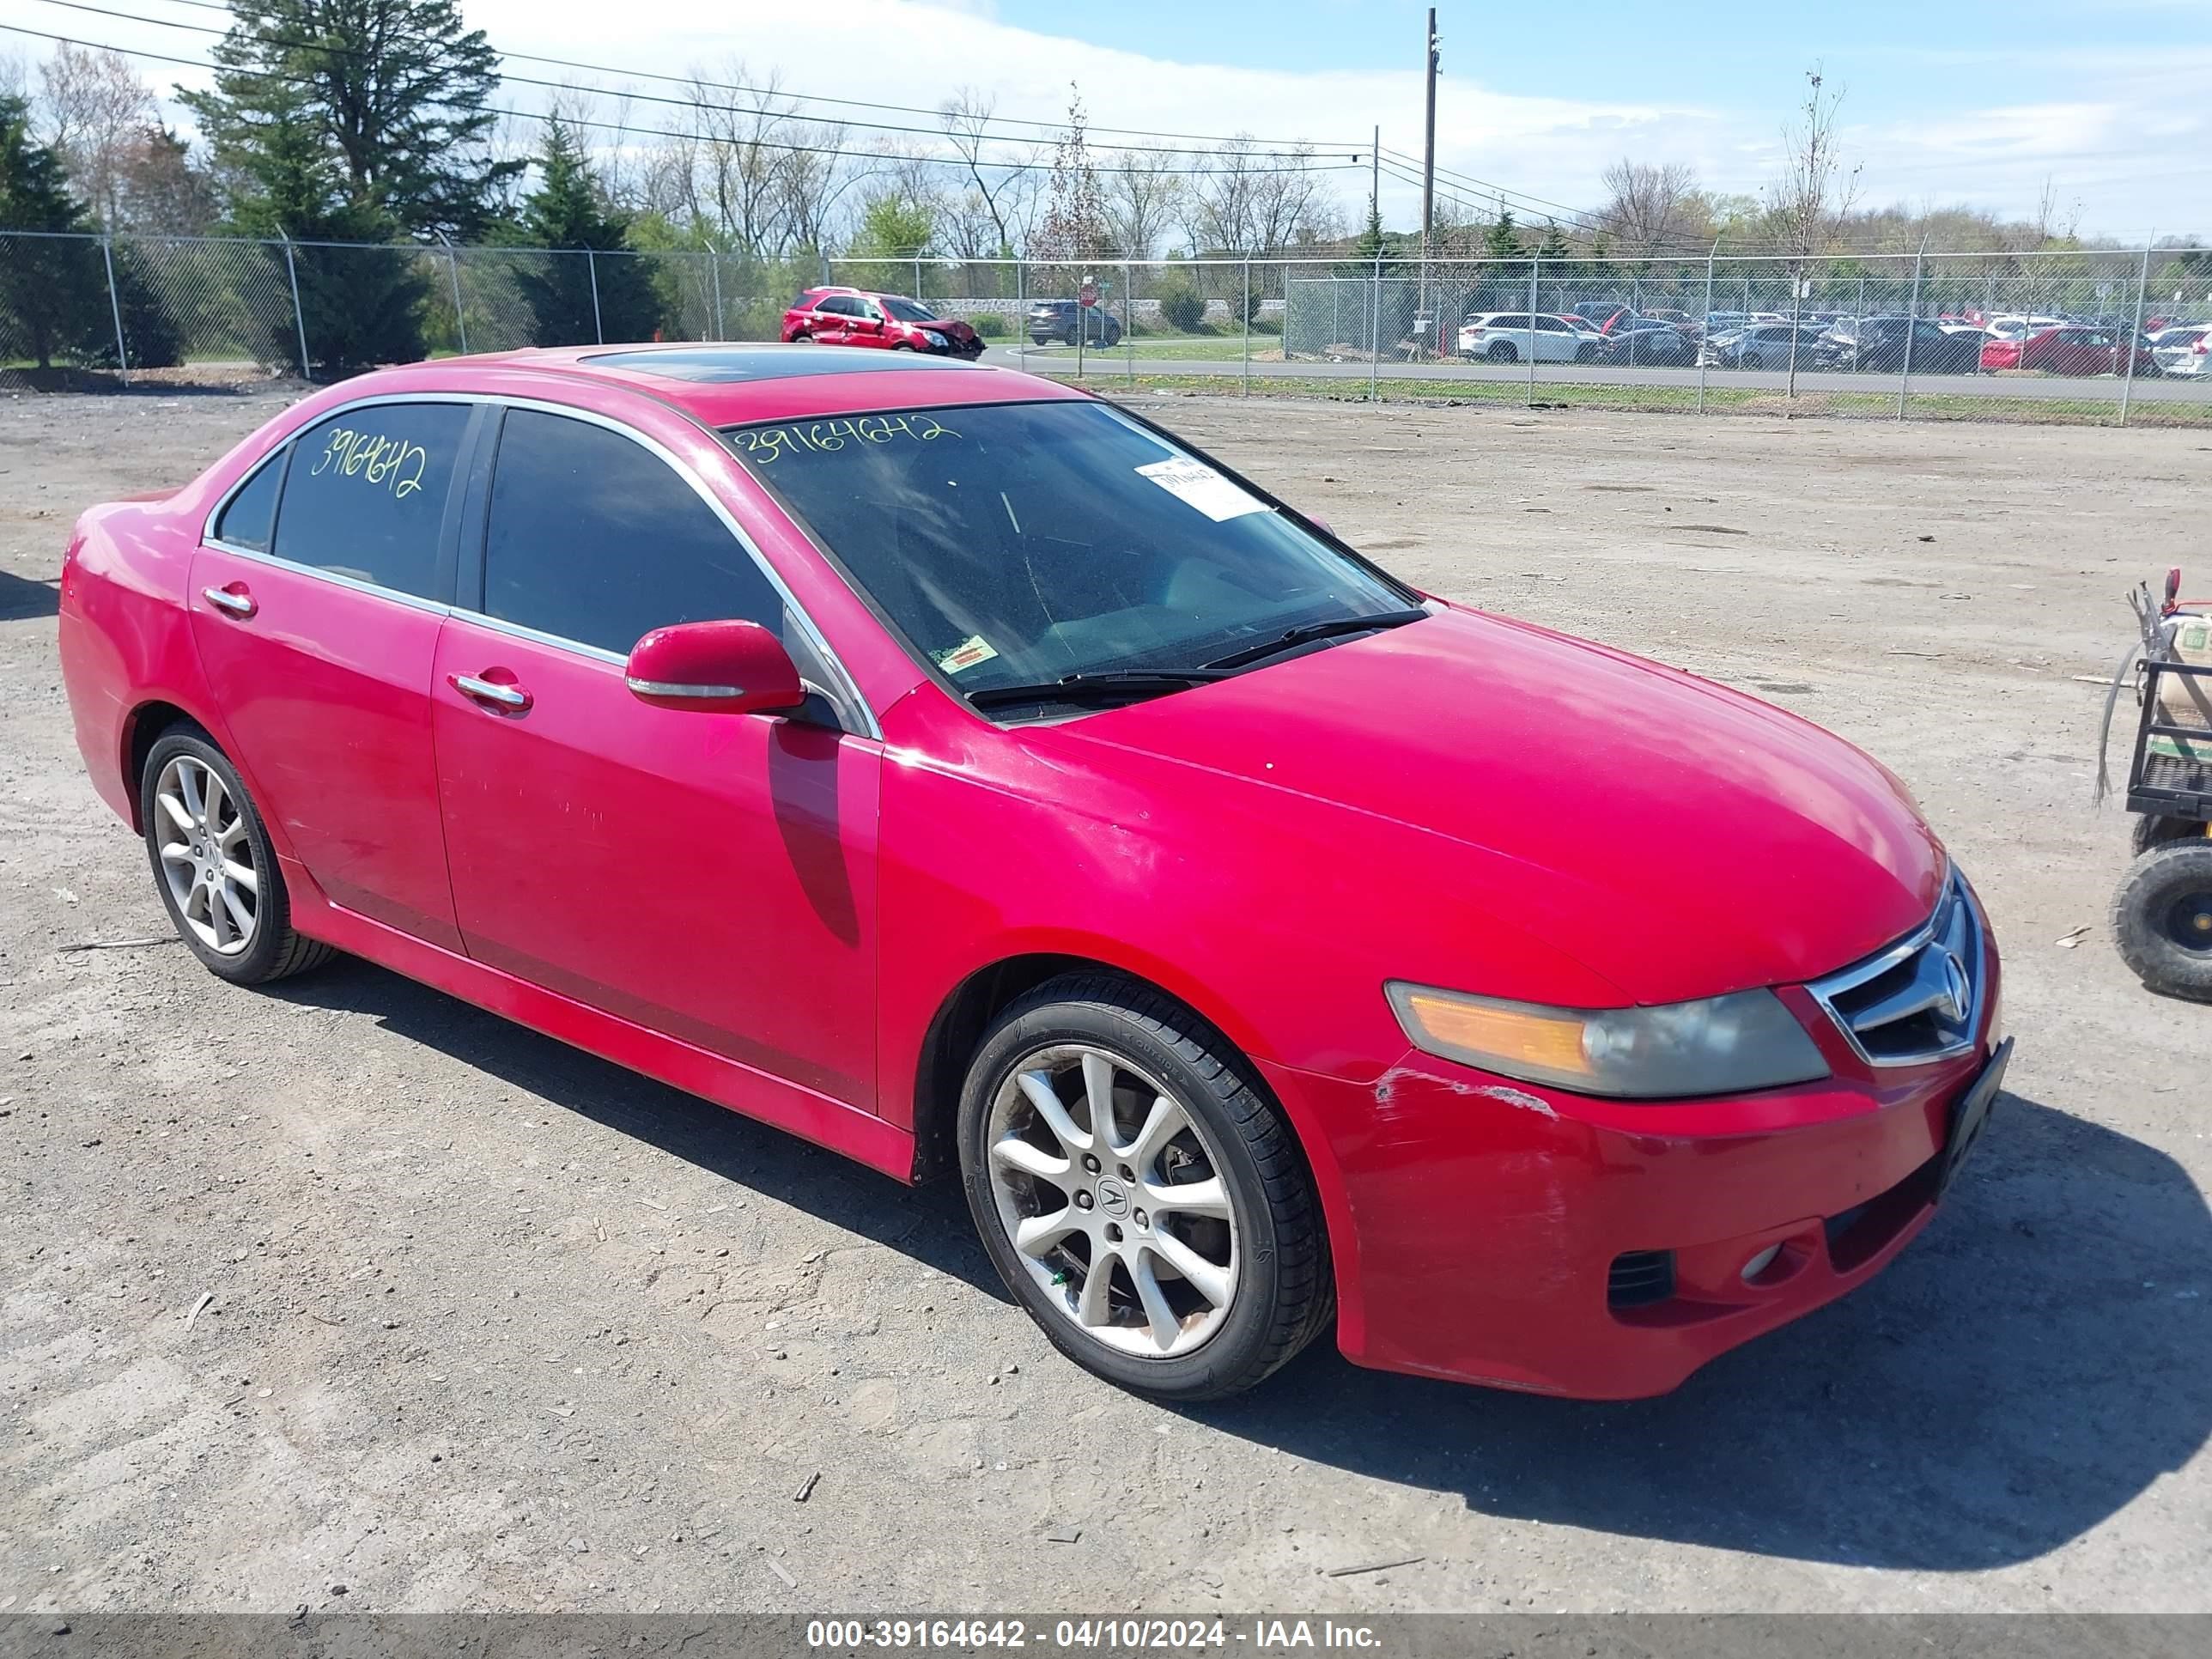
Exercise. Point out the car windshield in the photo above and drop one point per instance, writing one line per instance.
(911, 311)
(1022, 544)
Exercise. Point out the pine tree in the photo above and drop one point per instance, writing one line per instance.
(567, 211)
(47, 283)
(1553, 248)
(1502, 240)
(394, 90)
(360, 306)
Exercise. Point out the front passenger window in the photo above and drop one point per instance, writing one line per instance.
(594, 538)
(365, 495)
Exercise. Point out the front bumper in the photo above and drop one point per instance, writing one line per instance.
(1493, 1232)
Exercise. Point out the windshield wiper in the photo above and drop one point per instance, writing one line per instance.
(1308, 632)
(1089, 687)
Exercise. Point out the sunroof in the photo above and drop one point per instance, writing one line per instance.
(765, 362)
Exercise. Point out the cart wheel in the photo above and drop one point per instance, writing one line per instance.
(2162, 919)
(2157, 832)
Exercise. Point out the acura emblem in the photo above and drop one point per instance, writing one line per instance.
(1956, 987)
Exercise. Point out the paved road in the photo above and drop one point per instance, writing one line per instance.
(1061, 360)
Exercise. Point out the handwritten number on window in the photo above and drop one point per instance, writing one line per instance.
(764, 443)
(395, 464)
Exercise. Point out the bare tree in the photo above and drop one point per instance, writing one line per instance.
(994, 189)
(1143, 198)
(1651, 209)
(95, 108)
(158, 189)
(1815, 194)
(811, 186)
(1251, 203)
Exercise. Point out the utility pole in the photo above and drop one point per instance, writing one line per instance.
(1375, 175)
(1429, 144)
(1428, 186)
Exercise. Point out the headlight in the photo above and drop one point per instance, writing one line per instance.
(1720, 1045)
(933, 336)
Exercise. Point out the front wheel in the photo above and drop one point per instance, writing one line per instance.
(214, 866)
(2162, 919)
(1140, 1196)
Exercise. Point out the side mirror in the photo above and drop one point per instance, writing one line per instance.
(718, 667)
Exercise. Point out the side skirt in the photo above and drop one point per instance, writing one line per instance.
(802, 1112)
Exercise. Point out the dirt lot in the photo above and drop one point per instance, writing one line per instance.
(495, 1325)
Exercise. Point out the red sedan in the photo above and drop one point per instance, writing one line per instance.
(959, 771)
(2069, 350)
(887, 322)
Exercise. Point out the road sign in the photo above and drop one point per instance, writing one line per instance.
(1089, 295)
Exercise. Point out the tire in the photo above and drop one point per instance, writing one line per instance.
(802, 338)
(1264, 1249)
(2162, 919)
(1585, 352)
(1069, 338)
(2151, 832)
(902, 346)
(184, 855)
(1502, 351)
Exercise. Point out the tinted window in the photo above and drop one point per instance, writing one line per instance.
(804, 301)
(596, 539)
(838, 306)
(252, 512)
(365, 493)
(911, 311)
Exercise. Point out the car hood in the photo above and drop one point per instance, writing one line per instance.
(1676, 838)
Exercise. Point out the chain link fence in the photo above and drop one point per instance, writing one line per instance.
(2041, 337)
(2093, 335)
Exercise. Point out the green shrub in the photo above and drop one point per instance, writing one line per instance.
(1183, 306)
(988, 323)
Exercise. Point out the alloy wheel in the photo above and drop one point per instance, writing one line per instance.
(1114, 1201)
(207, 857)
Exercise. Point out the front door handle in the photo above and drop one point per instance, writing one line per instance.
(511, 698)
(233, 600)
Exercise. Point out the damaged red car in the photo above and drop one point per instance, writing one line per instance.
(964, 773)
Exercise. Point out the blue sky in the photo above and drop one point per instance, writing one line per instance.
(1967, 103)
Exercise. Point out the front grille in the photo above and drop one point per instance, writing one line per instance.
(1640, 1278)
(1919, 999)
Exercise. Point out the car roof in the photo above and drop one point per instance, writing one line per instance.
(727, 383)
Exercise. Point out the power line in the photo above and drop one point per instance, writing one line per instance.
(291, 43)
(666, 132)
(1051, 129)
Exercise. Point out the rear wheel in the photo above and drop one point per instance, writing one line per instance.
(802, 338)
(1501, 352)
(2162, 919)
(1142, 1199)
(214, 866)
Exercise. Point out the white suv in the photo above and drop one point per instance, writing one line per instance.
(1506, 337)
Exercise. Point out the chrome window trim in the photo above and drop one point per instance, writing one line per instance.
(338, 579)
(845, 694)
(1825, 990)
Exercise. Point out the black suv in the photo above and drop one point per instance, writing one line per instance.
(1060, 319)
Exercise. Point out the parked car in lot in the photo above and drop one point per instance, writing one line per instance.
(1511, 336)
(1069, 321)
(2184, 349)
(959, 771)
(891, 322)
(2069, 350)
(1878, 346)
(1763, 346)
(1648, 342)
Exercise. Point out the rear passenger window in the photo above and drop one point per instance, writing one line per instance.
(251, 513)
(594, 538)
(365, 497)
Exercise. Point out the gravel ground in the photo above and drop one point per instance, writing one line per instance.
(485, 1323)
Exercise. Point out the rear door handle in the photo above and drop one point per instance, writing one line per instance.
(233, 600)
(512, 698)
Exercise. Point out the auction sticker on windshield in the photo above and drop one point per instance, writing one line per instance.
(970, 651)
(1197, 485)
